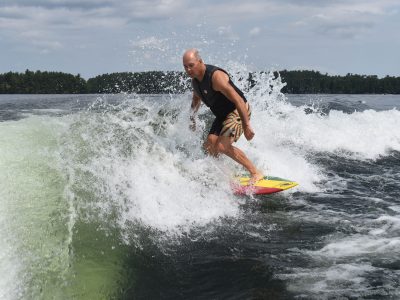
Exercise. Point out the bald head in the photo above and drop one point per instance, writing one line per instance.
(193, 64)
(191, 54)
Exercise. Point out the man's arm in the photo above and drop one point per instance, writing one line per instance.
(220, 82)
(196, 102)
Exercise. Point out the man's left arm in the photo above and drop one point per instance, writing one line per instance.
(220, 81)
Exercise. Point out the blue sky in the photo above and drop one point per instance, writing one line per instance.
(95, 37)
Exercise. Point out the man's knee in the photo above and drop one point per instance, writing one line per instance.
(209, 147)
(222, 147)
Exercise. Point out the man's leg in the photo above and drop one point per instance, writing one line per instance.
(223, 144)
(210, 145)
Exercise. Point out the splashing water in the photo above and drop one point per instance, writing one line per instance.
(127, 175)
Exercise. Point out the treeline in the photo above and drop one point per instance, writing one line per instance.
(157, 82)
(41, 83)
(312, 82)
(153, 82)
(38, 82)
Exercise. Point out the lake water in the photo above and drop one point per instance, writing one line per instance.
(112, 197)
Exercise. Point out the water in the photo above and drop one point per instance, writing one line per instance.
(111, 197)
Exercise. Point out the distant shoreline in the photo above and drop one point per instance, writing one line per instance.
(158, 82)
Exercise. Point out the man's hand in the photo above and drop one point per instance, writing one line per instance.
(192, 125)
(248, 132)
(196, 102)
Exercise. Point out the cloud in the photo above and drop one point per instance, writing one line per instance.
(122, 13)
(57, 4)
(255, 31)
(342, 19)
(343, 26)
(152, 51)
(38, 16)
(53, 16)
(50, 25)
(235, 11)
(151, 9)
(150, 43)
(227, 33)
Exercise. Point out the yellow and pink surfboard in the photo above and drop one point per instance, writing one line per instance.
(267, 185)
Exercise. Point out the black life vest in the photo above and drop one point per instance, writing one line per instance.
(216, 101)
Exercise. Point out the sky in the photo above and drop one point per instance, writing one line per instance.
(93, 37)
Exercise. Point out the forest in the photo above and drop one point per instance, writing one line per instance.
(158, 82)
(42, 83)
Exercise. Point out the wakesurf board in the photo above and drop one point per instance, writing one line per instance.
(267, 185)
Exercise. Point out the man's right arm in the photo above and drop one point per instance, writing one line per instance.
(196, 102)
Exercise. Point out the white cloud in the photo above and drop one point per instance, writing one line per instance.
(255, 31)
(226, 32)
(76, 14)
(49, 25)
(150, 43)
(47, 28)
(342, 19)
(343, 26)
(151, 9)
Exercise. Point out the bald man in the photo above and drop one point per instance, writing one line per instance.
(213, 86)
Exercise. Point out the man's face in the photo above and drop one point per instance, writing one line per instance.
(192, 66)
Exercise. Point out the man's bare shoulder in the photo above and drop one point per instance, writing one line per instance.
(219, 80)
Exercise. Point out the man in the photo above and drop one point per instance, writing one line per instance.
(213, 86)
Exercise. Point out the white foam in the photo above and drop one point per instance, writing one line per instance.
(168, 182)
(272, 150)
(361, 135)
(167, 196)
(390, 225)
(359, 245)
(161, 184)
(170, 190)
(395, 208)
(381, 239)
(11, 266)
(339, 280)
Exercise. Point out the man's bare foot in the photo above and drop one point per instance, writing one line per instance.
(256, 177)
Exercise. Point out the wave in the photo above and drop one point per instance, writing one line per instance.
(121, 169)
